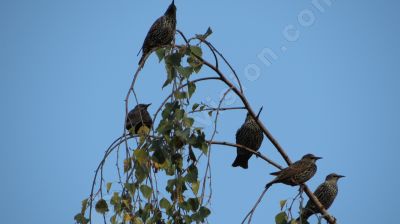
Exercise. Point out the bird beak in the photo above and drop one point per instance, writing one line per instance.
(148, 105)
(317, 158)
(340, 176)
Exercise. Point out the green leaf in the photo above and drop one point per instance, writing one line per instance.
(80, 218)
(204, 148)
(183, 135)
(108, 187)
(185, 71)
(195, 187)
(115, 199)
(192, 174)
(101, 206)
(210, 113)
(185, 205)
(196, 51)
(177, 160)
(164, 203)
(180, 94)
(146, 191)
(188, 122)
(194, 204)
(282, 204)
(160, 54)
(171, 74)
(195, 106)
(281, 218)
(158, 156)
(174, 59)
(201, 214)
(127, 164)
(131, 188)
(137, 220)
(195, 63)
(204, 212)
(141, 172)
(294, 221)
(113, 219)
(191, 88)
(84, 206)
(179, 113)
(191, 156)
(141, 155)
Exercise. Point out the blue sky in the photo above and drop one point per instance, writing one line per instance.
(331, 89)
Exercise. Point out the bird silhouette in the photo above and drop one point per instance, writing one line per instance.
(137, 118)
(249, 135)
(161, 33)
(326, 194)
(298, 173)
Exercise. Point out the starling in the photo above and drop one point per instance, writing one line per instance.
(326, 194)
(249, 135)
(298, 173)
(161, 33)
(138, 117)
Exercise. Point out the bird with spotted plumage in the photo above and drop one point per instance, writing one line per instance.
(138, 118)
(249, 135)
(297, 173)
(161, 33)
(326, 194)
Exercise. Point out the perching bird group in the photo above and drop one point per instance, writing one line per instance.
(250, 135)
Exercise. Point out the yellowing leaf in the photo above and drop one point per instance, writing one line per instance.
(101, 206)
(195, 187)
(108, 186)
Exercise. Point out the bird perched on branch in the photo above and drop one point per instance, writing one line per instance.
(249, 135)
(138, 118)
(298, 173)
(326, 194)
(161, 33)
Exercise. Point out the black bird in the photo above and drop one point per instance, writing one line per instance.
(138, 117)
(249, 135)
(326, 194)
(161, 33)
(298, 173)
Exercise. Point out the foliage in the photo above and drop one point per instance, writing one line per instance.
(172, 149)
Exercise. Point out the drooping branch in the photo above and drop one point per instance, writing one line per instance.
(279, 148)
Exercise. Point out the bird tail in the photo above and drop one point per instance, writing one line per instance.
(142, 59)
(241, 161)
(302, 219)
(139, 51)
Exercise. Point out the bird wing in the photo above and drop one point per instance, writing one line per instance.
(276, 173)
(292, 170)
(154, 29)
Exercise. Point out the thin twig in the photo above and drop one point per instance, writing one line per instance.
(220, 109)
(251, 212)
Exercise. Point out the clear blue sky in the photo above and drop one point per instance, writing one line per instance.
(333, 90)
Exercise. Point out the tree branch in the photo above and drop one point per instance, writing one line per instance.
(248, 149)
